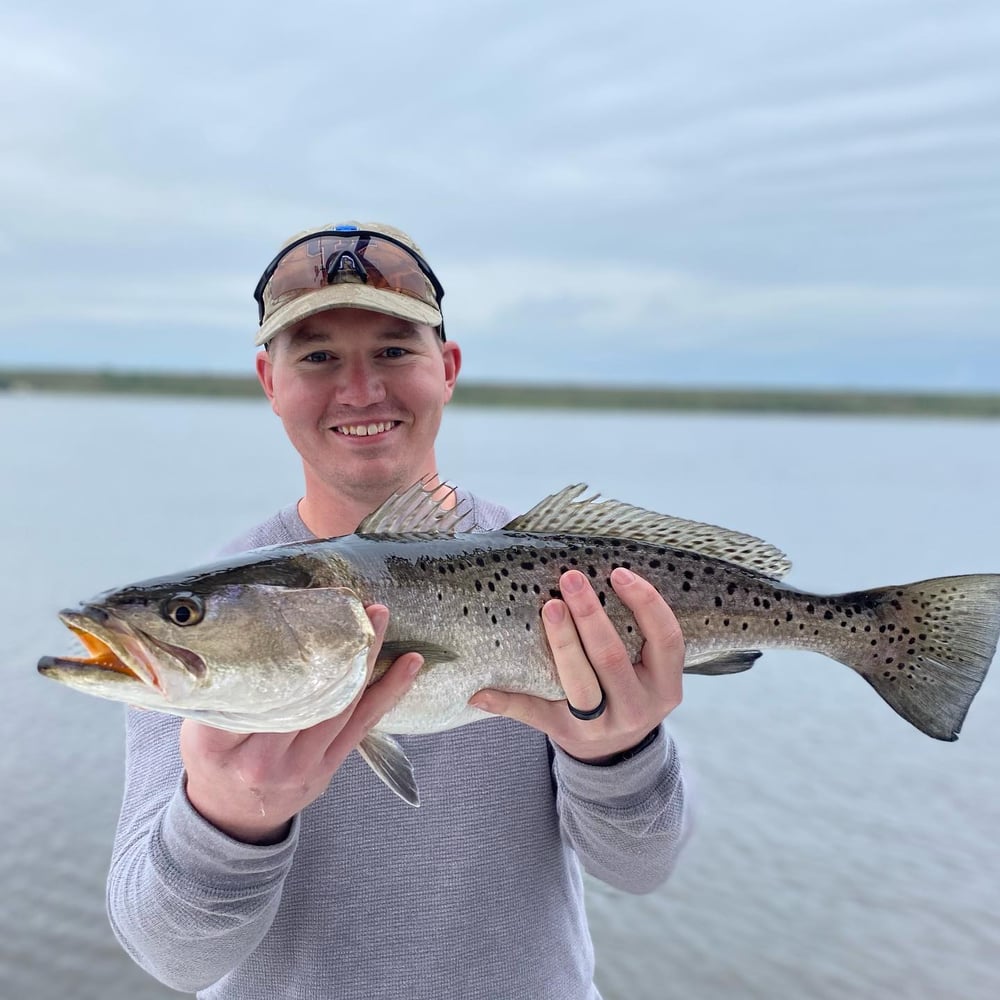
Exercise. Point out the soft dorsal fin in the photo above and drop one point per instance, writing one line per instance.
(563, 513)
(427, 507)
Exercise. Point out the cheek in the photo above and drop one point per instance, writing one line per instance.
(296, 402)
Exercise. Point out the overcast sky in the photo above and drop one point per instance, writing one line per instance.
(654, 192)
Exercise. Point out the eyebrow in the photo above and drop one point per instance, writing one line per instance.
(305, 335)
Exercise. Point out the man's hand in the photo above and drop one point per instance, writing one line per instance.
(591, 659)
(251, 785)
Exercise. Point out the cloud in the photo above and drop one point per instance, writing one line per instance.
(584, 176)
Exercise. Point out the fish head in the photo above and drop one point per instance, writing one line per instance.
(250, 647)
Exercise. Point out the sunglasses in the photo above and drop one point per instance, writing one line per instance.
(318, 259)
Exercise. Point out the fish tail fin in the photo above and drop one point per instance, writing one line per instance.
(927, 646)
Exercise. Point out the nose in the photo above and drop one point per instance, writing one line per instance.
(360, 383)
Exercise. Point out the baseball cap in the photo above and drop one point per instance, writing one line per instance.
(359, 265)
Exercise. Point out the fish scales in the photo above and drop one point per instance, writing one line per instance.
(480, 596)
(278, 639)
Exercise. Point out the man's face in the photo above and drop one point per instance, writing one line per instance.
(360, 395)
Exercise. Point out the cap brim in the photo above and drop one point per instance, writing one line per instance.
(347, 296)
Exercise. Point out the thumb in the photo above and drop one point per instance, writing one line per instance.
(535, 712)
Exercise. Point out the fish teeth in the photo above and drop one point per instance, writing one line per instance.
(364, 430)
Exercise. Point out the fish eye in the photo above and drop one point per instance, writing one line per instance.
(184, 609)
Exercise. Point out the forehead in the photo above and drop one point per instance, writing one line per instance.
(352, 325)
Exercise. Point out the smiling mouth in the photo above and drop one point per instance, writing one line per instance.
(366, 430)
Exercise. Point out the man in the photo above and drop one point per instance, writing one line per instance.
(276, 865)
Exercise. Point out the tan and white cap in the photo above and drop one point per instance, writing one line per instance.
(297, 284)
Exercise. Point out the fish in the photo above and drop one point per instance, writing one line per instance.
(277, 639)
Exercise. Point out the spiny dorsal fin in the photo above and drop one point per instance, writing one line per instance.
(563, 513)
(427, 507)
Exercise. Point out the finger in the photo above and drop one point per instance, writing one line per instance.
(378, 699)
(663, 651)
(576, 675)
(546, 716)
(602, 645)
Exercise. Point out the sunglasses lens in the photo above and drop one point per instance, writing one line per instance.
(304, 267)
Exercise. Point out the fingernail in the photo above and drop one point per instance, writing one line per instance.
(554, 611)
(622, 576)
(414, 668)
(572, 583)
(480, 701)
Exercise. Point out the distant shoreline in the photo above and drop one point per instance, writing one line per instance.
(549, 396)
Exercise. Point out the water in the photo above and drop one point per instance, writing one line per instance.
(838, 853)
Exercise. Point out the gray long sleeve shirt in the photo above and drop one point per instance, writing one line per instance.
(475, 895)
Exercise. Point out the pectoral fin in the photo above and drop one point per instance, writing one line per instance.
(733, 661)
(387, 759)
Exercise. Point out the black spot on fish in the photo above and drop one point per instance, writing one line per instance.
(718, 601)
(654, 563)
(527, 565)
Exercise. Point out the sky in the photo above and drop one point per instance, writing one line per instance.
(654, 193)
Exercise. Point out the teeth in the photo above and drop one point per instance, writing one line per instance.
(363, 430)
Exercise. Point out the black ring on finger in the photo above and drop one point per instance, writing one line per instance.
(594, 713)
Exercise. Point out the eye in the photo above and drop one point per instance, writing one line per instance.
(184, 609)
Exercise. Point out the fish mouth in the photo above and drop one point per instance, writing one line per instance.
(113, 648)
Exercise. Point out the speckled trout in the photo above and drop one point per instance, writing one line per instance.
(277, 639)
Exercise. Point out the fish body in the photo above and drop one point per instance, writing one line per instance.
(277, 639)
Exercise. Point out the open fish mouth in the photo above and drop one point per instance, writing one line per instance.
(111, 648)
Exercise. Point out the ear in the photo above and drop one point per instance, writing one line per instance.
(451, 354)
(265, 375)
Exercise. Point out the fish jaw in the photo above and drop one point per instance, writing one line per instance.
(123, 664)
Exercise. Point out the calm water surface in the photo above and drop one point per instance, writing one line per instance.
(838, 852)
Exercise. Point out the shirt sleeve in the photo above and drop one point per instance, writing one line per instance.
(627, 822)
(187, 902)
